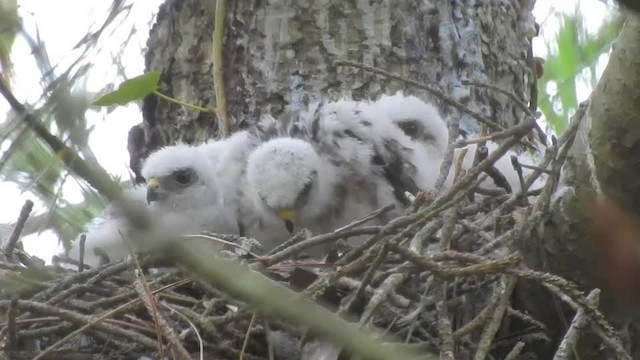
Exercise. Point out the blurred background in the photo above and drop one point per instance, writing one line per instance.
(59, 60)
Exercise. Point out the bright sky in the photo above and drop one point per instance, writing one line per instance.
(61, 32)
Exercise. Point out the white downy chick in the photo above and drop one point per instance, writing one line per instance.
(359, 156)
(229, 158)
(427, 132)
(230, 165)
(289, 186)
(375, 169)
(104, 234)
(423, 124)
(183, 191)
(214, 150)
(183, 197)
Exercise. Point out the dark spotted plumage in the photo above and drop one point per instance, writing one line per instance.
(287, 125)
(366, 156)
(315, 124)
(409, 127)
(351, 134)
(414, 129)
(398, 172)
(388, 156)
(349, 138)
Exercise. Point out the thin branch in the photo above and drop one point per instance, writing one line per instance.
(316, 240)
(220, 16)
(366, 280)
(484, 344)
(91, 321)
(17, 230)
(445, 167)
(95, 175)
(513, 354)
(83, 241)
(175, 101)
(150, 303)
(12, 331)
(381, 294)
(432, 90)
(373, 215)
(245, 342)
(193, 326)
(569, 293)
(78, 319)
(578, 325)
(500, 90)
(269, 296)
(444, 322)
(521, 104)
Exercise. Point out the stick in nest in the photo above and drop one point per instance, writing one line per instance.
(498, 178)
(17, 230)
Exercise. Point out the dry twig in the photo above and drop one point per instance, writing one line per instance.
(10, 246)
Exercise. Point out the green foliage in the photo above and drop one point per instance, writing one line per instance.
(136, 89)
(24, 283)
(130, 90)
(29, 162)
(31, 165)
(573, 51)
(9, 26)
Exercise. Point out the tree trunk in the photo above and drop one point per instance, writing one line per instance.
(603, 162)
(279, 55)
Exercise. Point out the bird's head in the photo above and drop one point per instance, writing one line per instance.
(178, 176)
(282, 175)
(417, 119)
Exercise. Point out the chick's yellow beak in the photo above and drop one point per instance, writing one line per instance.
(153, 185)
(287, 216)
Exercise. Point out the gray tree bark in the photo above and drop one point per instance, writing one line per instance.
(279, 55)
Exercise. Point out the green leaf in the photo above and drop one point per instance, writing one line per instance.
(130, 90)
(572, 51)
(10, 21)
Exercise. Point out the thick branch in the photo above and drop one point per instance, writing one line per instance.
(602, 161)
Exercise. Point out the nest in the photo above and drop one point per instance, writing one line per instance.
(436, 282)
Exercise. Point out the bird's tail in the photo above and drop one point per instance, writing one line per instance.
(417, 119)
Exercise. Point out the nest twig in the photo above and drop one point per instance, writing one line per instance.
(407, 270)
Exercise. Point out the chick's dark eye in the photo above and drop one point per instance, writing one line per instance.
(183, 177)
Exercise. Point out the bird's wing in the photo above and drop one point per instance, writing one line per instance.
(228, 159)
(105, 237)
(214, 150)
(366, 141)
(106, 231)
